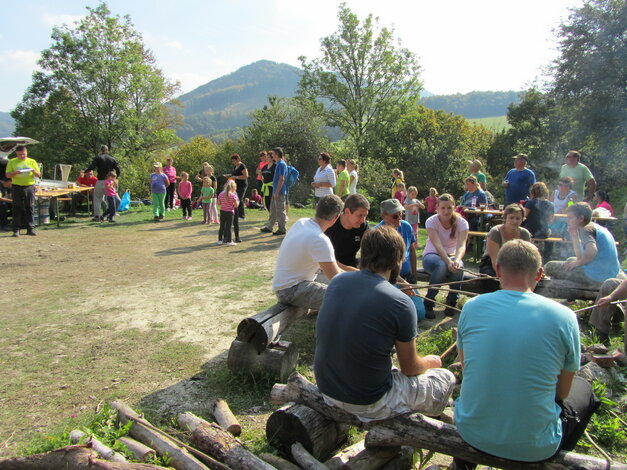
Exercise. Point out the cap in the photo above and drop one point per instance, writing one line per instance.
(523, 156)
(391, 206)
(157, 165)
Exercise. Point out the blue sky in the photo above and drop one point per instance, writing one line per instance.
(462, 45)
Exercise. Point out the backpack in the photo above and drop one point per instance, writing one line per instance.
(291, 177)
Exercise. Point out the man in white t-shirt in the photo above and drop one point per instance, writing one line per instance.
(304, 251)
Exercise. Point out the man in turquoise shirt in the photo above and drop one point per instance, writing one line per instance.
(520, 352)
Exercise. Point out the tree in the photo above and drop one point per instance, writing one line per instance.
(363, 77)
(98, 85)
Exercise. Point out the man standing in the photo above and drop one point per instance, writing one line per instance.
(362, 319)
(580, 173)
(596, 257)
(23, 171)
(103, 164)
(520, 352)
(343, 180)
(518, 180)
(346, 233)
(278, 212)
(392, 215)
(304, 251)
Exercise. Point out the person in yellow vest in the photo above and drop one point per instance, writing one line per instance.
(343, 180)
(23, 171)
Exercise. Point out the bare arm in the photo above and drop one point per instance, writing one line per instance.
(409, 360)
(330, 269)
(277, 190)
(564, 381)
(493, 251)
(460, 251)
(341, 190)
(617, 294)
(591, 185)
(345, 267)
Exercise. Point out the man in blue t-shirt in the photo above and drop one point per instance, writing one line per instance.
(518, 180)
(520, 352)
(362, 319)
(392, 215)
(278, 213)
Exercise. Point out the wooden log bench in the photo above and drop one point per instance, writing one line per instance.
(422, 432)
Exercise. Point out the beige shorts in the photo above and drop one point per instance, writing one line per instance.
(426, 393)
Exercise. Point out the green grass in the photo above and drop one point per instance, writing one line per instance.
(496, 123)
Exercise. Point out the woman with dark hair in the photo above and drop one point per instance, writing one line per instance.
(267, 175)
(442, 257)
(602, 201)
(538, 211)
(324, 180)
(240, 176)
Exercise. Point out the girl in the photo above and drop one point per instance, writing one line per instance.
(602, 200)
(111, 183)
(267, 175)
(185, 195)
(400, 193)
(207, 194)
(353, 171)
(207, 170)
(170, 172)
(158, 184)
(228, 201)
(510, 229)
(564, 194)
(397, 177)
(432, 201)
(412, 210)
(446, 245)
(538, 211)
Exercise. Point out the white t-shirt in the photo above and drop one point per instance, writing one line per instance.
(324, 175)
(449, 244)
(303, 248)
(352, 187)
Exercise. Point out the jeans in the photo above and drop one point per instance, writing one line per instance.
(23, 207)
(111, 205)
(437, 268)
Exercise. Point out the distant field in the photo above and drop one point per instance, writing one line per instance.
(496, 123)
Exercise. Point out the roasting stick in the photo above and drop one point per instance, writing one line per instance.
(427, 286)
(436, 302)
(597, 305)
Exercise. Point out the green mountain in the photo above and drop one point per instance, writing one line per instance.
(7, 125)
(221, 106)
(476, 104)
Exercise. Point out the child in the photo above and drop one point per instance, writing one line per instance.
(432, 201)
(228, 202)
(400, 192)
(158, 184)
(185, 195)
(255, 200)
(206, 196)
(111, 194)
(412, 210)
(539, 216)
(602, 201)
(564, 194)
(397, 177)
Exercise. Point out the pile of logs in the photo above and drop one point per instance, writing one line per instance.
(257, 348)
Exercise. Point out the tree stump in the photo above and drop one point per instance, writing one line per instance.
(278, 361)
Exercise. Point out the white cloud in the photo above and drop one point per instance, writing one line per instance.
(59, 20)
(175, 44)
(19, 60)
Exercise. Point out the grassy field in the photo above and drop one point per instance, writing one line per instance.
(495, 124)
(140, 311)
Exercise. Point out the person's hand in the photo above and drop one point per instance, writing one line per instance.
(454, 266)
(569, 265)
(604, 300)
(407, 290)
(314, 185)
(432, 361)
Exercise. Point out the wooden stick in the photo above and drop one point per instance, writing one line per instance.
(596, 446)
(429, 286)
(436, 302)
(597, 305)
(305, 459)
(449, 349)
(474, 273)
(456, 290)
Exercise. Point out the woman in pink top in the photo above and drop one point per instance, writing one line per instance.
(170, 172)
(228, 202)
(185, 195)
(446, 245)
(602, 200)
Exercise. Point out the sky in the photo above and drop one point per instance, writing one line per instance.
(462, 45)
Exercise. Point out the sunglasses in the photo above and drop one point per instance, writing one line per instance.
(398, 215)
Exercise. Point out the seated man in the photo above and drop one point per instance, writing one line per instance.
(362, 319)
(346, 233)
(613, 289)
(304, 251)
(392, 215)
(86, 179)
(595, 249)
(520, 352)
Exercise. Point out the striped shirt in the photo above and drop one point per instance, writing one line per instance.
(227, 204)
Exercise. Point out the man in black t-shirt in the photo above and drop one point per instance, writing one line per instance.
(347, 231)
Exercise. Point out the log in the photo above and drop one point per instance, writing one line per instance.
(357, 457)
(304, 458)
(265, 327)
(404, 460)
(139, 450)
(422, 432)
(278, 462)
(298, 423)
(223, 415)
(214, 440)
(76, 457)
(179, 457)
(106, 452)
(278, 361)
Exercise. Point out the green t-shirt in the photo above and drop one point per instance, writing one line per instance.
(481, 177)
(581, 174)
(207, 193)
(22, 179)
(342, 176)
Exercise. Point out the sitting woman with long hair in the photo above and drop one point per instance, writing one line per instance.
(446, 245)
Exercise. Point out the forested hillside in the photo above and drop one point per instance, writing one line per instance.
(476, 104)
(7, 125)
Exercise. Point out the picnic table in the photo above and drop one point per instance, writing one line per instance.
(55, 193)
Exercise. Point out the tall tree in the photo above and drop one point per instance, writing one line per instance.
(98, 85)
(362, 77)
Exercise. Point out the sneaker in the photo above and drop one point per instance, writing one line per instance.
(231, 244)
(183, 218)
(111, 221)
(161, 217)
(450, 311)
(96, 218)
(278, 232)
(265, 230)
(429, 312)
(219, 242)
(189, 217)
(157, 219)
(101, 218)
(31, 233)
(16, 234)
(238, 240)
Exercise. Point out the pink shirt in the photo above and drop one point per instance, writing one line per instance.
(227, 203)
(400, 196)
(449, 244)
(606, 205)
(432, 203)
(170, 172)
(110, 188)
(185, 189)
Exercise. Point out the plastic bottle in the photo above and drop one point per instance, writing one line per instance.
(473, 202)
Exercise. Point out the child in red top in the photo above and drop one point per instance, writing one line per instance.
(400, 193)
(228, 202)
(432, 201)
(255, 200)
(111, 184)
(185, 195)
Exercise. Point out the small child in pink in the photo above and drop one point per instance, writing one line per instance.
(111, 183)
(228, 202)
(432, 202)
(185, 195)
(400, 193)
